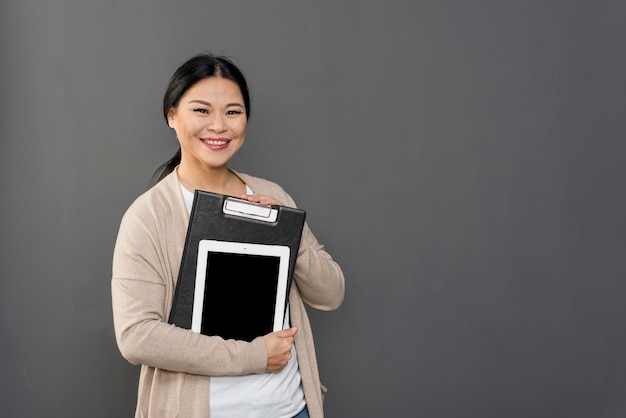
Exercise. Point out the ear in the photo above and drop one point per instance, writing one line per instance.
(170, 118)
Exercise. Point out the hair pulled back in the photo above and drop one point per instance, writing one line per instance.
(196, 69)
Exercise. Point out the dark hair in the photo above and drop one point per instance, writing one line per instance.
(196, 69)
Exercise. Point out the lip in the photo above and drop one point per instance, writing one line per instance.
(215, 143)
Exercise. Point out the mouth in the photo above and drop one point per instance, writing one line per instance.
(215, 142)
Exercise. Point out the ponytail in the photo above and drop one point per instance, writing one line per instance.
(167, 167)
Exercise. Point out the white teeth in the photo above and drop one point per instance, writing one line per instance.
(214, 142)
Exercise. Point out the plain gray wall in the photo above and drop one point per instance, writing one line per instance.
(462, 160)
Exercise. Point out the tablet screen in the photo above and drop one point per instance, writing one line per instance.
(243, 295)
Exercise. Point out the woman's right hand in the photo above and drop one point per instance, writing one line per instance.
(279, 345)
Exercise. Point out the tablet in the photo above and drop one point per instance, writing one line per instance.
(240, 289)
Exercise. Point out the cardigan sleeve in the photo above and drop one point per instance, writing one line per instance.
(319, 278)
(141, 288)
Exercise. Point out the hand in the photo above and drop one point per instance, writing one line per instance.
(260, 199)
(279, 345)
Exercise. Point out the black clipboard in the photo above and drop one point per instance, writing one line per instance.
(225, 218)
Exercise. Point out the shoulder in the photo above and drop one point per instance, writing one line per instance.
(157, 202)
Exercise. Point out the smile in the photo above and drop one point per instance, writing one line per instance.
(215, 142)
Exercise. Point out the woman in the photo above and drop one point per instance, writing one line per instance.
(185, 374)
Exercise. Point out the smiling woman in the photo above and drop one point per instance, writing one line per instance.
(188, 374)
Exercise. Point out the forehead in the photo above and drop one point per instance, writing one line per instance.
(214, 89)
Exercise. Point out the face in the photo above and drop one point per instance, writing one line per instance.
(210, 123)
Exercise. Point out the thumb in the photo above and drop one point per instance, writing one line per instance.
(289, 332)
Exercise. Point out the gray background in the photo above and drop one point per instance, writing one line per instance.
(462, 160)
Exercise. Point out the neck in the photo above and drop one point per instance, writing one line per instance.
(222, 180)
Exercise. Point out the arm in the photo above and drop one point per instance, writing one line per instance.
(319, 278)
(142, 289)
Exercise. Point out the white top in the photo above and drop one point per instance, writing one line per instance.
(276, 395)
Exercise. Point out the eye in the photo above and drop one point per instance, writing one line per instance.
(234, 112)
(201, 110)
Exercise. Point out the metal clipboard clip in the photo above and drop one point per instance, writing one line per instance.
(245, 209)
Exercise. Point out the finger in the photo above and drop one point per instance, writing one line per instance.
(288, 332)
(260, 199)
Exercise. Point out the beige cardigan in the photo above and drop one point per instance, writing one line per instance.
(176, 363)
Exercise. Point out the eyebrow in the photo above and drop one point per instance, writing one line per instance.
(209, 104)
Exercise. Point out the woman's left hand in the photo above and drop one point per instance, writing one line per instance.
(260, 199)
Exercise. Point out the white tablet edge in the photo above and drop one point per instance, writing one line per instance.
(205, 245)
(246, 209)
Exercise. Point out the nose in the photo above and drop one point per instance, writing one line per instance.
(217, 123)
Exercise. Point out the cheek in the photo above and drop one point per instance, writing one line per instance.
(241, 128)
